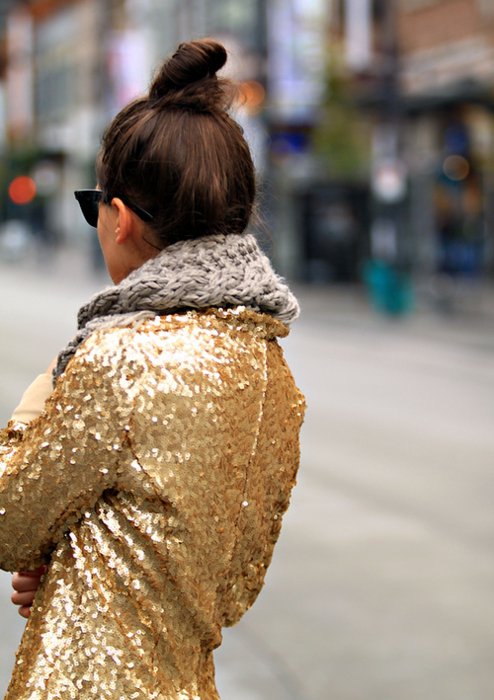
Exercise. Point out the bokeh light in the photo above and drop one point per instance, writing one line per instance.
(254, 95)
(22, 189)
(456, 167)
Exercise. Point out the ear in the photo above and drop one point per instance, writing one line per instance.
(124, 223)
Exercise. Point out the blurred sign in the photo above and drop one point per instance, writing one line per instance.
(358, 33)
(129, 66)
(297, 40)
(447, 63)
(3, 116)
(19, 73)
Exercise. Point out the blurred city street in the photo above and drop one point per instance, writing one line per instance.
(381, 586)
(371, 127)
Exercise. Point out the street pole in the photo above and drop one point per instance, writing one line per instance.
(388, 273)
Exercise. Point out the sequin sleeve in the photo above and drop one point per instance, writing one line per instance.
(57, 466)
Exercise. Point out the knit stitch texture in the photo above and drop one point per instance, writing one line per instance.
(211, 271)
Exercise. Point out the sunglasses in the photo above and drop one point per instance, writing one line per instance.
(89, 201)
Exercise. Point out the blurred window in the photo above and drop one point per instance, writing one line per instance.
(378, 8)
(412, 5)
(55, 91)
(236, 17)
(56, 31)
(56, 79)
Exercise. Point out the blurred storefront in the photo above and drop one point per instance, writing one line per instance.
(407, 115)
(447, 76)
(333, 220)
(429, 81)
(54, 81)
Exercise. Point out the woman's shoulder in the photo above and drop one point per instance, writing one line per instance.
(180, 334)
(195, 354)
(238, 319)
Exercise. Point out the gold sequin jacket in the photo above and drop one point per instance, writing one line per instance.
(153, 484)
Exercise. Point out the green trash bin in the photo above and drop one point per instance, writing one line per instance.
(390, 289)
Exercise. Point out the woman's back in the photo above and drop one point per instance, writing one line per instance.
(196, 420)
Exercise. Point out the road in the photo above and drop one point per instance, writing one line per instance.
(381, 585)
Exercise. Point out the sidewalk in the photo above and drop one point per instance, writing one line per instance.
(463, 314)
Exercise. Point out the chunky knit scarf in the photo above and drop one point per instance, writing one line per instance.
(212, 271)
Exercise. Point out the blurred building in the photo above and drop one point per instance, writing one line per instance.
(423, 72)
(447, 77)
(55, 81)
(67, 66)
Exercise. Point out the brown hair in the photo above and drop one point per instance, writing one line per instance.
(178, 154)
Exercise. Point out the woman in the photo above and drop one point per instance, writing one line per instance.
(150, 482)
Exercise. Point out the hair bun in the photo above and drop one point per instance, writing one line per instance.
(192, 62)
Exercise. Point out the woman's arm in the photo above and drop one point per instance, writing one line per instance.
(34, 398)
(57, 466)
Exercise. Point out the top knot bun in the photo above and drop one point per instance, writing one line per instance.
(193, 64)
(179, 152)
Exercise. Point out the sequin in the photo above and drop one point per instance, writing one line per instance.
(153, 485)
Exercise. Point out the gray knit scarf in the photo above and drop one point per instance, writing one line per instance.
(212, 271)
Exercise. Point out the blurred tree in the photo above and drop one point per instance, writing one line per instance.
(341, 138)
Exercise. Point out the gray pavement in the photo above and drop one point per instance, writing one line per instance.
(381, 585)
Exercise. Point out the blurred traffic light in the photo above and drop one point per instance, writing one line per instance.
(22, 189)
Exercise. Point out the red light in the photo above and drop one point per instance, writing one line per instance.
(22, 189)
